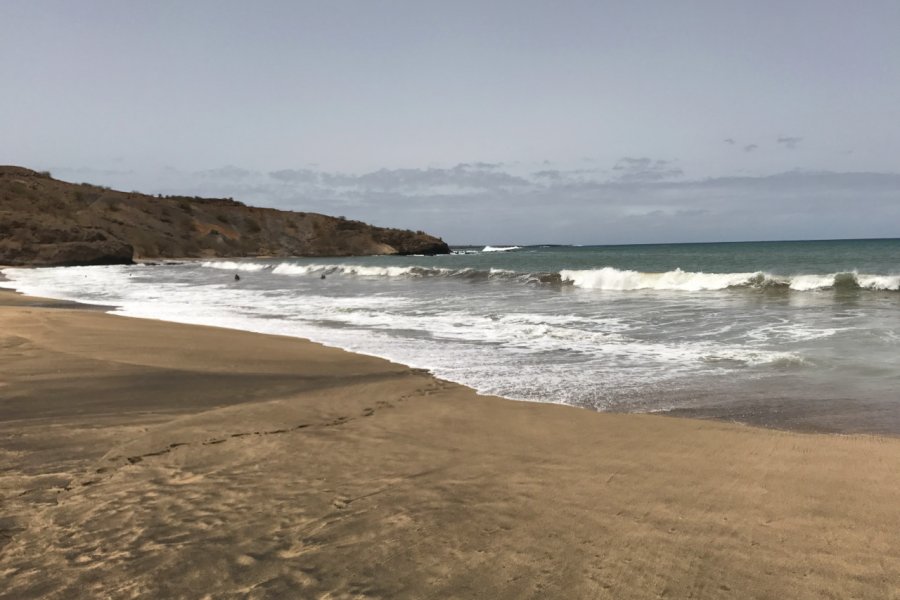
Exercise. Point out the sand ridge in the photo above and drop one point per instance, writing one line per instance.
(146, 459)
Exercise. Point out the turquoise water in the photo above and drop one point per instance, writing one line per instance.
(787, 334)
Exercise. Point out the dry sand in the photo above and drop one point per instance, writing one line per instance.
(141, 459)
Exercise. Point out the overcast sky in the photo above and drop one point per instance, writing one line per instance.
(481, 122)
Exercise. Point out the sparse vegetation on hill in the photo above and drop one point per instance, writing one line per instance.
(44, 221)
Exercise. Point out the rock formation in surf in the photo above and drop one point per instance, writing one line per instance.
(47, 222)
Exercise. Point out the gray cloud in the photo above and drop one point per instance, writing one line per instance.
(634, 170)
(789, 142)
(463, 178)
(228, 173)
(74, 173)
(296, 176)
(750, 147)
(482, 165)
(548, 174)
(560, 176)
(729, 141)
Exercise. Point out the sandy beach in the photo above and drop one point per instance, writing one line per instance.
(144, 459)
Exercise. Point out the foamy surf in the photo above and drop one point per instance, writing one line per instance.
(477, 341)
(615, 279)
(500, 248)
(611, 279)
(551, 324)
(606, 278)
(230, 265)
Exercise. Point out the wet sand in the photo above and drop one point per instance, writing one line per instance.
(147, 459)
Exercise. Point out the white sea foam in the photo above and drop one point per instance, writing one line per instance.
(848, 279)
(790, 332)
(609, 278)
(393, 271)
(879, 282)
(805, 283)
(365, 271)
(229, 265)
(606, 278)
(500, 248)
(297, 269)
(755, 357)
(512, 340)
(358, 270)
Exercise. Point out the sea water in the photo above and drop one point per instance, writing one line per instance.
(787, 334)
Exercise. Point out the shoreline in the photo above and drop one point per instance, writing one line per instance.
(763, 412)
(146, 458)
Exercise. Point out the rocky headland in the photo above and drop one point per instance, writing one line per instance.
(47, 222)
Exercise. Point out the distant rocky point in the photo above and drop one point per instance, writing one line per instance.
(47, 222)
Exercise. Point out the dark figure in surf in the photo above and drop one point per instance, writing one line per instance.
(237, 277)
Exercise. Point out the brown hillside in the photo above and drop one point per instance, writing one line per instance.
(44, 221)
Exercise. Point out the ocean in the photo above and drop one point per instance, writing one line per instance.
(798, 335)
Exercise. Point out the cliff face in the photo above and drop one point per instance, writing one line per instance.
(46, 222)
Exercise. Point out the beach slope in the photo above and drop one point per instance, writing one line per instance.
(145, 459)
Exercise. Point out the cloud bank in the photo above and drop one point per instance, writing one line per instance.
(789, 142)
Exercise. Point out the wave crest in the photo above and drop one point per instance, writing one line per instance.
(609, 278)
(500, 248)
(230, 265)
(606, 278)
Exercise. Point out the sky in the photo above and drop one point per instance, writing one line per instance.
(481, 122)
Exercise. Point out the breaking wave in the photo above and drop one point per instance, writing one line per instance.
(607, 278)
(500, 248)
(230, 265)
(288, 268)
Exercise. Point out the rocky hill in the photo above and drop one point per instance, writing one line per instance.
(44, 221)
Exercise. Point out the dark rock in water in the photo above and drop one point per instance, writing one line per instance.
(48, 222)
